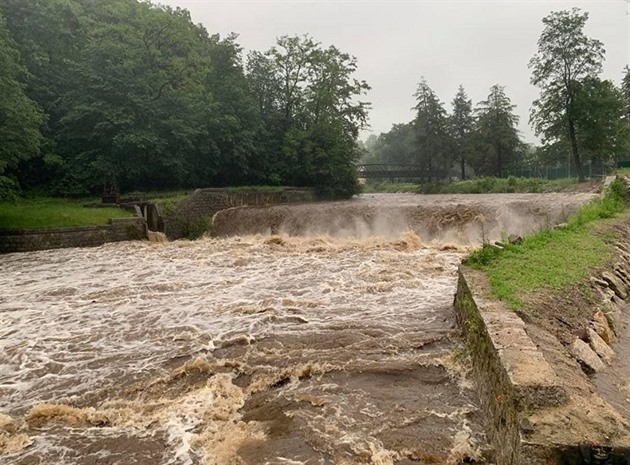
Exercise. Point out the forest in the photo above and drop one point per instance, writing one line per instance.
(127, 95)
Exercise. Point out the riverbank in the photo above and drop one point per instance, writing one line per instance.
(543, 319)
(48, 212)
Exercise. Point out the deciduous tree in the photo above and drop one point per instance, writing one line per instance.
(20, 117)
(565, 57)
(599, 123)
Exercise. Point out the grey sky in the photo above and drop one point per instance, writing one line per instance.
(475, 43)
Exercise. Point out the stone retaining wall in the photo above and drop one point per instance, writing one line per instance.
(531, 417)
(204, 203)
(119, 229)
(510, 373)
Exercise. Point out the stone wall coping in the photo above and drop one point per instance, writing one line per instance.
(71, 229)
(528, 372)
(27, 240)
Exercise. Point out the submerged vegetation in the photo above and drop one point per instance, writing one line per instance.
(551, 258)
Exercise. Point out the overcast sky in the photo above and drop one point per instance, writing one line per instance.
(469, 42)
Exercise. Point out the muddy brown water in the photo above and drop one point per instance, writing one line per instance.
(336, 345)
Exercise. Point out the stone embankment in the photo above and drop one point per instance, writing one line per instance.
(202, 205)
(541, 403)
(26, 240)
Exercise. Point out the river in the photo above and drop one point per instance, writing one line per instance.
(318, 334)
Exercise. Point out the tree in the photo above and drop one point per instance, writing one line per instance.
(138, 108)
(398, 145)
(461, 125)
(496, 133)
(625, 89)
(20, 117)
(600, 129)
(232, 120)
(625, 94)
(565, 56)
(311, 116)
(431, 133)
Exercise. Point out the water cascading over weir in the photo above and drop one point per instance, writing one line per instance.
(457, 219)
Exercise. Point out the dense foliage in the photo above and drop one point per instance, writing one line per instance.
(20, 117)
(127, 95)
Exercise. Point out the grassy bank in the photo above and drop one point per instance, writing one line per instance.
(46, 212)
(553, 258)
(162, 197)
(257, 188)
(476, 186)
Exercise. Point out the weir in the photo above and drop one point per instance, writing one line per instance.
(311, 333)
(460, 219)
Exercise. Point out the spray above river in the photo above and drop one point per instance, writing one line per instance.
(329, 347)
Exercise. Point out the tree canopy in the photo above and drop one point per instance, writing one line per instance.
(20, 117)
(130, 95)
(483, 140)
(497, 135)
(461, 126)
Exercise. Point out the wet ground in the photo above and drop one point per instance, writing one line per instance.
(246, 350)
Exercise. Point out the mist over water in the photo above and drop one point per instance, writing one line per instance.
(336, 346)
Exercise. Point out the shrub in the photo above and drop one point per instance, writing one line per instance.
(9, 190)
(195, 229)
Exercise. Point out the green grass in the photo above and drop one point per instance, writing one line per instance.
(552, 258)
(476, 186)
(257, 188)
(390, 187)
(161, 197)
(45, 212)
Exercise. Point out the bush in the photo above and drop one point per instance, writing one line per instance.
(195, 229)
(9, 190)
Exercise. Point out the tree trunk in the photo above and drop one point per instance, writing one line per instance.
(574, 148)
(463, 161)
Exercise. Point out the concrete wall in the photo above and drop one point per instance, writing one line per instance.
(204, 203)
(121, 229)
